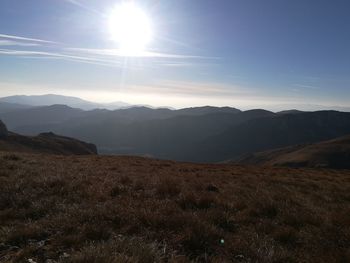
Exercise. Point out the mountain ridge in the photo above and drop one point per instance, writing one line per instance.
(52, 99)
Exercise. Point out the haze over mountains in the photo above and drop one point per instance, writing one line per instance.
(202, 134)
(51, 99)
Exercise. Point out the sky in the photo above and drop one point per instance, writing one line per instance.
(239, 53)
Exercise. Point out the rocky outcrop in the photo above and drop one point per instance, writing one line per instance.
(43, 143)
(3, 130)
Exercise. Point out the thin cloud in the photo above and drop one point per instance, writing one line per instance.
(9, 43)
(13, 37)
(103, 57)
(180, 64)
(119, 53)
(75, 2)
(171, 87)
(306, 86)
(79, 4)
(48, 55)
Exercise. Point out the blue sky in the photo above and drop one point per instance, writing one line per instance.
(241, 53)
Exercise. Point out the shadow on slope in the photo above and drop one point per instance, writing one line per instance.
(43, 143)
(328, 154)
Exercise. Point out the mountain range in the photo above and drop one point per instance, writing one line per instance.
(200, 134)
(51, 99)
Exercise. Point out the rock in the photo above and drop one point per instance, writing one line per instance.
(3, 130)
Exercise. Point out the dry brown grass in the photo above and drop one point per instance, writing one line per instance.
(129, 209)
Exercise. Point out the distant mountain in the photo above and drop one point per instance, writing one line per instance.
(43, 143)
(328, 154)
(308, 107)
(37, 116)
(290, 112)
(8, 107)
(40, 119)
(52, 99)
(206, 110)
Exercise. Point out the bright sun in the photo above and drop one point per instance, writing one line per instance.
(131, 28)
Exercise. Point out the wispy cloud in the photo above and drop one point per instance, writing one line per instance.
(306, 86)
(13, 37)
(119, 53)
(181, 64)
(74, 2)
(79, 4)
(9, 43)
(48, 55)
(46, 49)
(172, 87)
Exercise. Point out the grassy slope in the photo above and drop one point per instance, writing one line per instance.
(328, 154)
(46, 143)
(129, 209)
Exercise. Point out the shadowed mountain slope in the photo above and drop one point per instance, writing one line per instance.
(328, 154)
(3, 130)
(272, 132)
(43, 143)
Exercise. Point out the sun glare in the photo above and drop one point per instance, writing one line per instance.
(131, 28)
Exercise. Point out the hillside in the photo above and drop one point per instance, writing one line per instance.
(131, 209)
(329, 154)
(43, 143)
(269, 133)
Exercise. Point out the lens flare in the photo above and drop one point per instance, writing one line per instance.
(131, 28)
